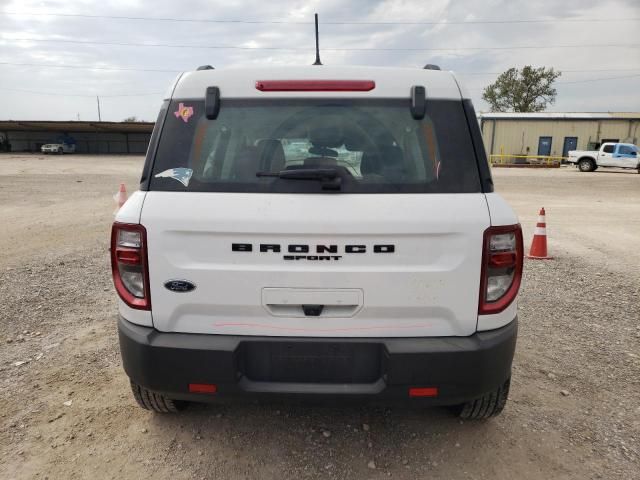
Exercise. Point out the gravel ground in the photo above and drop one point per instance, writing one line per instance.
(68, 413)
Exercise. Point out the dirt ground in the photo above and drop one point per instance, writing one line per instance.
(67, 412)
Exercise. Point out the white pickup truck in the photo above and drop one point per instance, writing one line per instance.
(619, 155)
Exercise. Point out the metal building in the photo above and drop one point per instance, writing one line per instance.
(89, 137)
(554, 134)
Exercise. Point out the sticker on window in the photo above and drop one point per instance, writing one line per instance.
(184, 112)
(183, 175)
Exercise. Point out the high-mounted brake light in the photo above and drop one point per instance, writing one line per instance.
(315, 85)
(502, 254)
(129, 264)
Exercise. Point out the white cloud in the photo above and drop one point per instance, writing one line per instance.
(613, 95)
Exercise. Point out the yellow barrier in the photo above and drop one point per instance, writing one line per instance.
(549, 161)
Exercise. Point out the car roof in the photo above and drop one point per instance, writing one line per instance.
(390, 82)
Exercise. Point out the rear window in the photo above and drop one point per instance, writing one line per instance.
(373, 146)
(626, 150)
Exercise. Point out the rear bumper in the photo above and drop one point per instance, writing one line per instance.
(462, 368)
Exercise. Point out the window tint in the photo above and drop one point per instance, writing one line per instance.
(626, 150)
(375, 146)
(608, 148)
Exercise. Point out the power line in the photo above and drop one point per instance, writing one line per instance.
(85, 67)
(576, 81)
(562, 70)
(43, 93)
(124, 69)
(33, 92)
(599, 79)
(344, 22)
(337, 49)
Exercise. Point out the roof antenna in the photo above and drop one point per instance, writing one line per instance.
(317, 62)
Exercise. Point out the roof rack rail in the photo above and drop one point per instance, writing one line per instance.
(205, 67)
(431, 66)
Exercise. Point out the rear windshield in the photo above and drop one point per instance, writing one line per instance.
(366, 146)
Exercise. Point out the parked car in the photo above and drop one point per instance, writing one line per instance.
(243, 270)
(59, 148)
(618, 155)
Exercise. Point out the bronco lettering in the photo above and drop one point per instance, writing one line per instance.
(320, 249)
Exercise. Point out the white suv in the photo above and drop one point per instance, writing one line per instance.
(318, 231)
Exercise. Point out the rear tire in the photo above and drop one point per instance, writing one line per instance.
(156, 402)
(489, 405)
(586, 165)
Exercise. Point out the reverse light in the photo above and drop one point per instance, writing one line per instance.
(502, 254)
(129, 264)
(315, 85)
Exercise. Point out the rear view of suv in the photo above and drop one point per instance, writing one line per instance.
(317, 231)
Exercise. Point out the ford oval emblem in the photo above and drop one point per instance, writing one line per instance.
(181, 286)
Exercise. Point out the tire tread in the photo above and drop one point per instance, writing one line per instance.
(489, 405)
(155, 402)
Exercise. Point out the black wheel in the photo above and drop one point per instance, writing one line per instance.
(586, 165)
(489, 405)
(156, 402)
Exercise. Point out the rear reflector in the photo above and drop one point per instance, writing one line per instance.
(423, 392)
(315, 85)
(203, 388)
(127, 256)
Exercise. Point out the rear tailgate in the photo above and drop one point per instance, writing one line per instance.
(417, 276)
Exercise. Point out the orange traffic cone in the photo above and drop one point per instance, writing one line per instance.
(120, 197)
(539, 244)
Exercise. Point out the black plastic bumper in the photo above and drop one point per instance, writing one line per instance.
(461, 368)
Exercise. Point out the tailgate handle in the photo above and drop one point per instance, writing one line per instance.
(312, 302)
(312, 310)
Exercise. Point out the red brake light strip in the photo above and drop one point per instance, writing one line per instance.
(315, 85)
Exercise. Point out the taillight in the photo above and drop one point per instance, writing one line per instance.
(129, 264)
(502, 254)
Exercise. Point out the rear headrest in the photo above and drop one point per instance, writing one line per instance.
(370, 163)
(271, 155)
(331, 137)
(387, 161)
(354, 141)
(245, 164)
(320, 162)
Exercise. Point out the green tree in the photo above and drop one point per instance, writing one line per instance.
(527, 90)
(131, 119)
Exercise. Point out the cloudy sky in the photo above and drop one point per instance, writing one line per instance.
(53, 66)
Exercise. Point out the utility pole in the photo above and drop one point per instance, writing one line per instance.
(98, 100)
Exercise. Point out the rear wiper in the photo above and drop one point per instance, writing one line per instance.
(329, 176)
